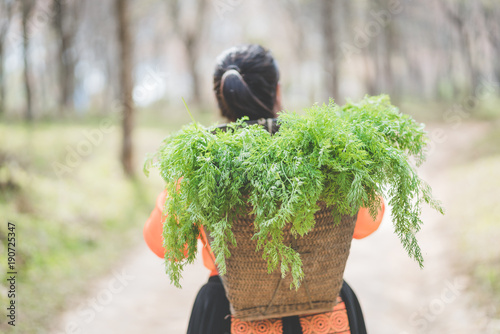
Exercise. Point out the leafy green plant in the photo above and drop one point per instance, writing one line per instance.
(345, 156)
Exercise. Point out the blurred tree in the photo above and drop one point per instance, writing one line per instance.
(458, 13)
(65, 22)
(371, 53)
(27, 7)
(126, 84)
(6, 11)
(389, 47)
(331, 55)
(491, 12)
(428, 50)
(380, 33)
(295, 10)
(190, 31)
(300, 15)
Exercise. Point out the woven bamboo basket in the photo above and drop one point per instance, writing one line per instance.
(254, 294)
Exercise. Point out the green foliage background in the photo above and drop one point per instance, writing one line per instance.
(346, 156)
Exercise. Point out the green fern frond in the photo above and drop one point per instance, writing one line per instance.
(346, 156)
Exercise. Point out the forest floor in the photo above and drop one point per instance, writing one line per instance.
(395, 294)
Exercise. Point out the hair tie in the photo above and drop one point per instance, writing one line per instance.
(231, 71)
(233, 67)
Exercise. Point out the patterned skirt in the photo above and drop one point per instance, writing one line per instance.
(335, 322)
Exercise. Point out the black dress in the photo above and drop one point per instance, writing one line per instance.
(211, 314)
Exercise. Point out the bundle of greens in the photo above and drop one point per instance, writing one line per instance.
(345, 156)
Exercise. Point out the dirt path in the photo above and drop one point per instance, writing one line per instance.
(136, 298)
(396, 296)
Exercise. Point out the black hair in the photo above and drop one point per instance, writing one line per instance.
(245, 82)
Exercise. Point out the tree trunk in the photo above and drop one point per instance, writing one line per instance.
(126, 84)
(192, 58)
(2, 81)
(369, 63)
(373, 55)
(191, 36)
(380, 50)
(330, 54)
(4, 28)
(492, 19)
(66, 61)
(458, 21)
(27, 6)
(298, 15)
(389, 50)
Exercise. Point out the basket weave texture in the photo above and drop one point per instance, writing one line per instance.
(254, 294)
